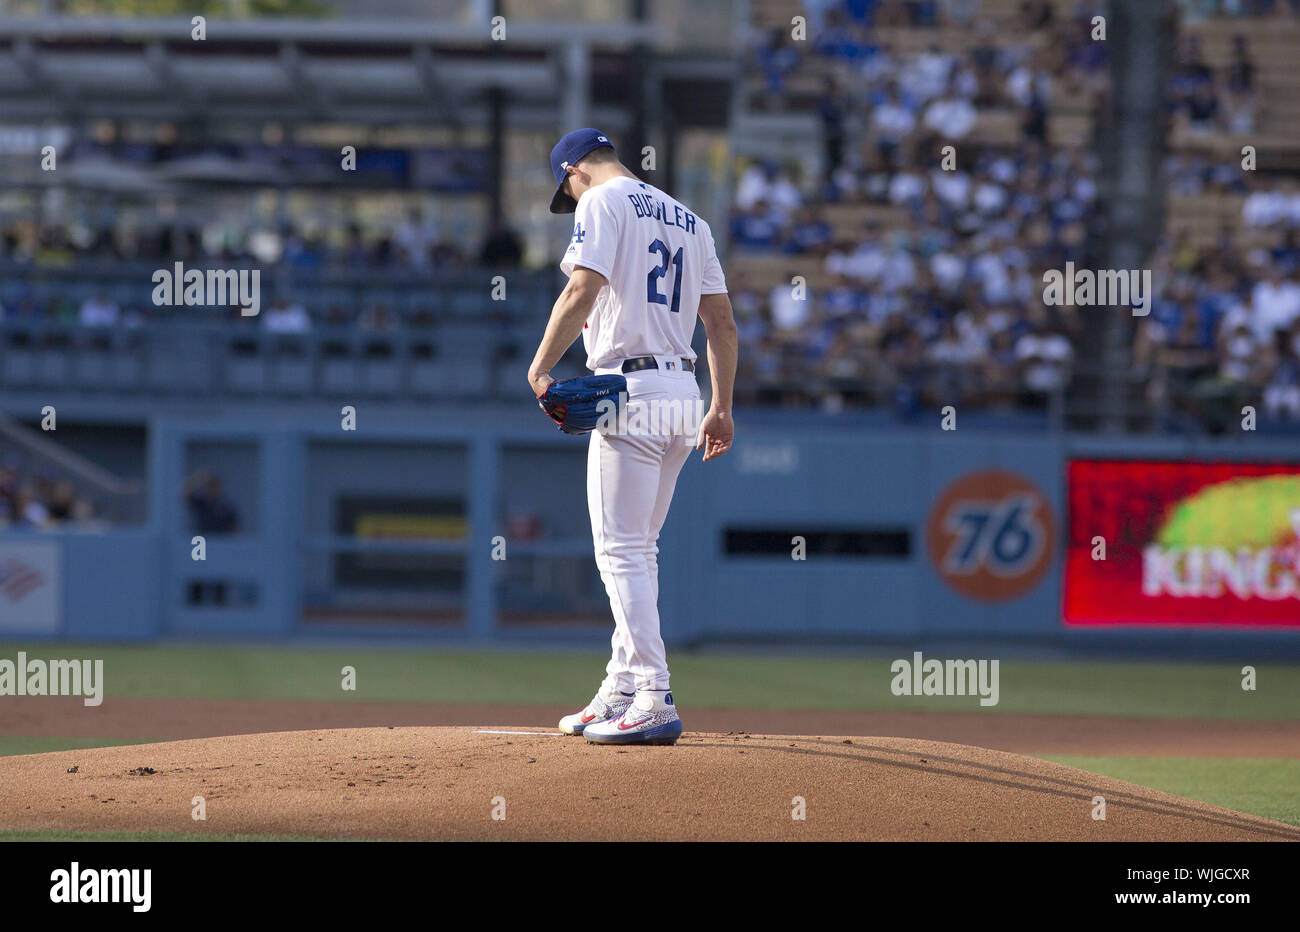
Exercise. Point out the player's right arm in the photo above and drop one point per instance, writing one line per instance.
(717, 430)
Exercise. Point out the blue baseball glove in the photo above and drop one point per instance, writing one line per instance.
(579, 405)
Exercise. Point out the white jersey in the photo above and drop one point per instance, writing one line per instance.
(658, 258)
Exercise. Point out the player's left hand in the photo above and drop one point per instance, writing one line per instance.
(540, 382)
(716, 434)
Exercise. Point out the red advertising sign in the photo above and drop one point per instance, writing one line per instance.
(1183, 544)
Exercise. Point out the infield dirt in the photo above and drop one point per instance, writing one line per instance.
(446, 783)
(176, 718)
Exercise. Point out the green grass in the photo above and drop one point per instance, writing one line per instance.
(1264, 787)
(736, 680)
(23, 744)
(42, 835)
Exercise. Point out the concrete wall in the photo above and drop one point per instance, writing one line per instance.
(781, 480)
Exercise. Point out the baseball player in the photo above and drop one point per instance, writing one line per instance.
(641, 266)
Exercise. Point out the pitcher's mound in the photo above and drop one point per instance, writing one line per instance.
(468, 783)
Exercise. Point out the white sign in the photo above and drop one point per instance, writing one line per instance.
(29, 586)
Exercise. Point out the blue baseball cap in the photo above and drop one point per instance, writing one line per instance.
(571, 150)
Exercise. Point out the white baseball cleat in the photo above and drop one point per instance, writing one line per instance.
(651, 719)
(603, 706)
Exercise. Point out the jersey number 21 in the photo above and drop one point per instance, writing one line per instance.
(659, 271)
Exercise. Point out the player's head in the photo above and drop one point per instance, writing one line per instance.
(572, 154)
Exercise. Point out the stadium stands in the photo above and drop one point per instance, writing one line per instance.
(922, 285)
(921, 277)
(1226, 330)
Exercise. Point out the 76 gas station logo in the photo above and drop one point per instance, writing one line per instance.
(990, 535)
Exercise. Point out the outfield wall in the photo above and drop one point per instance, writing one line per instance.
(461, 531)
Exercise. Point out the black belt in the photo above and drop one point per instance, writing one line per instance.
(649, 362)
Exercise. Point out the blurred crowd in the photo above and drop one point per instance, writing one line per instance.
(413, 246)
(39, 502)
(1194, 10)
(926, 279)
(414, 243)
(1225, 326)
(1205, 101)
(1224, 330)
(944, 302)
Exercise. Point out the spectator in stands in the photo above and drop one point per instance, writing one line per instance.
(924, 13)
(891, 123)
(954, 362)
(999, 371)
(447, 256)
(754, 186)
(30, 512)
(1190, 74)
(98, 311)
(1239, 355)
(8, 494)
(776, 60)
(809, 233)
(378, 319)
(1045, 357)
(756, 229)
(950, 115)
(61, 503)
(354, 253)
(926, 75)
(1202, 110)
(1274, 303)
(414, 239)
(1036, 15)
(1186, 358)
(790, 311)
(1240, 72)
(502, 248)
(1287, 252)
(881, 65)
(1271, 204)
(959, 14)
(784, 195)
(1282, 388)
(302, 251)
(284, 317)
(842, 38)
(831, 110)
(210, 511)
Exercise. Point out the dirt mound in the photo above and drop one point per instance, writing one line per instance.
(448, 783)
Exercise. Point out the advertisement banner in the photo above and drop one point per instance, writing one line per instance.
(1162, 543)
(29, 586)
(991, 535)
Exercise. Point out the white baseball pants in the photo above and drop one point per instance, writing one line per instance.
(631, 474)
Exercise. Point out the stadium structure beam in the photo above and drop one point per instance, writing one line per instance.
(576, 85)
(417, 72)
(427, 67)
(346, 31)
(518, 114)
(1134, 208)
